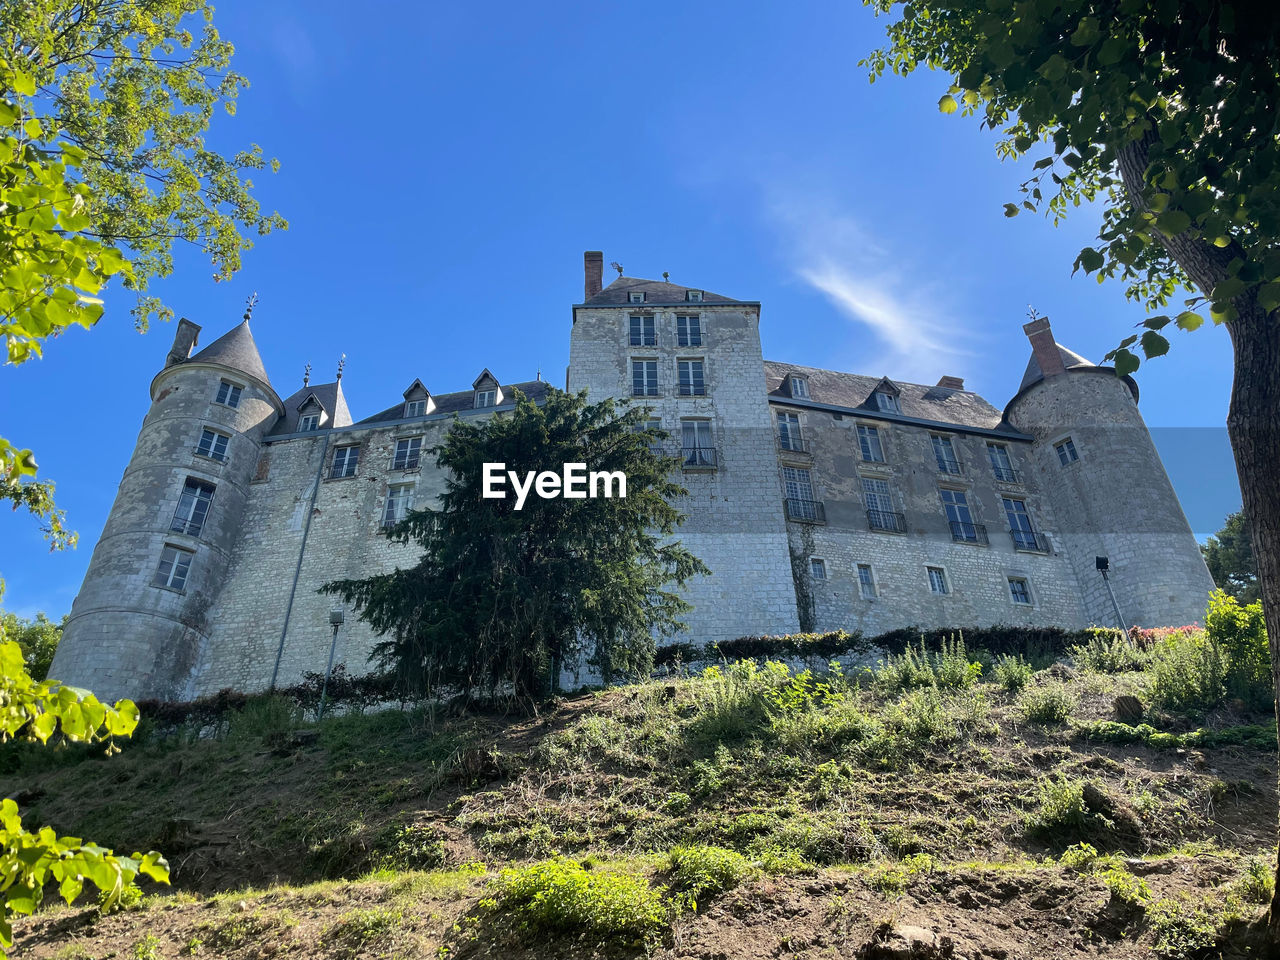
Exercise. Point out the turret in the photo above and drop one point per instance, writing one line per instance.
(1109, 490)
(141, 616)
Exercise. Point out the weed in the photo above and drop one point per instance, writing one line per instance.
(1125, 887)
(949, 667)
(1080, 856)
(130, 899)
(559, 896)
(1048, 703)
(702, 871)
(409, 847)
(676, 802)
(1258, 884)
(193, 946)
(1189, 673)
(1110, 652)
(1061, 809)
(1012, 672)
(268, 720)
(1182, 928)
(892, 880)
(362, 928)
(148, 948)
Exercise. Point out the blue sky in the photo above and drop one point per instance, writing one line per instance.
(444, 167)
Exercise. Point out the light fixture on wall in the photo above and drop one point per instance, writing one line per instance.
(1103, 564)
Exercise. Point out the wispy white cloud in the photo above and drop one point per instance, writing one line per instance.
(915, 330)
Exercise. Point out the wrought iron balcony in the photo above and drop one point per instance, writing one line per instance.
(1006, 474)
(805, 511)
(886, 521)
(964, 531)
(698, 458)
(951, 467)
(792, 443)
(1028, 541)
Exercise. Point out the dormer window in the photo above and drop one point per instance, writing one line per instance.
(799, 388)
(308, 422)
(486, 398)
(693, 296)
(886, 402)
(635, 296)
(415, 408)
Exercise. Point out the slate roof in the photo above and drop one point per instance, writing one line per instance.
(655, 291)
(463, 400)
(235, 349)
(329, 396)
(1069, 359)
(963, 408)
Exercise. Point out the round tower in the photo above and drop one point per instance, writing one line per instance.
(1109, 490)
(142, 613)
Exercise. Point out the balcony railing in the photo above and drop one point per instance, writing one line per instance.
(1006, 474)
(698, 458)
(964, 531)
(805, 511)
(792, 443)
(886, 521)
(951, 467)
(1028, 541)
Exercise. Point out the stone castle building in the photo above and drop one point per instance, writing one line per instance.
(818, 499)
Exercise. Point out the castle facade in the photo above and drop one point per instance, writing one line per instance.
(819, 499)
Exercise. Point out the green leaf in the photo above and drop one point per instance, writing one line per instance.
(1172, 222)
(9, 113)
(44, 725)
(1269, 296)
(1010, 209)
(23, 83)
(1189, 321)
(947, 103)
(1112, 52)
(1090, 259)
(1229, 288)
(1154, 345)
(1125, 363)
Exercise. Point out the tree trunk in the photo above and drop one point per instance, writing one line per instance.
(1253, 421)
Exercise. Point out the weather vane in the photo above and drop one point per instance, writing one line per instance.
(342, 362)
(617, 266)
(306, 375)
(250, 304)
(666, 276)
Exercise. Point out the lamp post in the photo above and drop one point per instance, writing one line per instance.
(1103, 563)
(335, 621)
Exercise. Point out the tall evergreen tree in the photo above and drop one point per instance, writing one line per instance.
(1229, 557)
(504, 598)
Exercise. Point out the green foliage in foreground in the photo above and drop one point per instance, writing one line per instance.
(30, 859)
(560, 895)
(1258, 736)
(701, 871)
(38, 639)
(949, 667)
(1229, 557)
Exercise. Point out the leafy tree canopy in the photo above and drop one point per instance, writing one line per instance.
(1229, 556)
(504, 597)
(1163, 109)
(37, 638)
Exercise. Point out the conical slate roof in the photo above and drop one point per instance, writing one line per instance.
(235, 349)
(1034, 374)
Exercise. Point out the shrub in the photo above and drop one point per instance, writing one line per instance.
(1012, 672)
(1125, 887)
(1080, 856)
(892, 880)
(700, 871)
(1258, 883)
(949, 667)
(744, 698)
(559, 896)
(1061, 808)
(267, 719)
(409, 847)
(1110, 651)
(1182, 929)
(921, 717)
(1189, 673)
(1241, 633)
(1049, 703)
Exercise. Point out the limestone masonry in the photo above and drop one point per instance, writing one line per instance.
(818, 499)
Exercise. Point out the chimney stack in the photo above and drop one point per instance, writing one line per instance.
(184, 341)
(952, 383)
(1044, 348)
(593, 269)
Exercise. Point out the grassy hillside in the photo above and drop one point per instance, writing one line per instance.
(746, 812)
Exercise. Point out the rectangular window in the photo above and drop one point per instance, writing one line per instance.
(798, 483)
(643, 333)
(880, 512)
(887, 402)
(800, 388)
(399, 503)
(1019, 590)
(212, 444)
(960, 518)
(1020, 526)
(692, 382)
(308, 423)
(866, 581)
(486, 398)
(193, 507)
(689, 331)
(175, 564)
(937, 580)
(228, 394)
(408, 450)
(695, 443)
(644, 378)
(789, 432)
(415, 408)
(648, 426)
(817, 568)
(1001, 465)
(345, 460)
(945, 454)
(869, 443)
(1066, 452)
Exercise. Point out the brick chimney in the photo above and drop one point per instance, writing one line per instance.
(1043, 347)
(593, 269)
(184, 341)
(952, 383)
